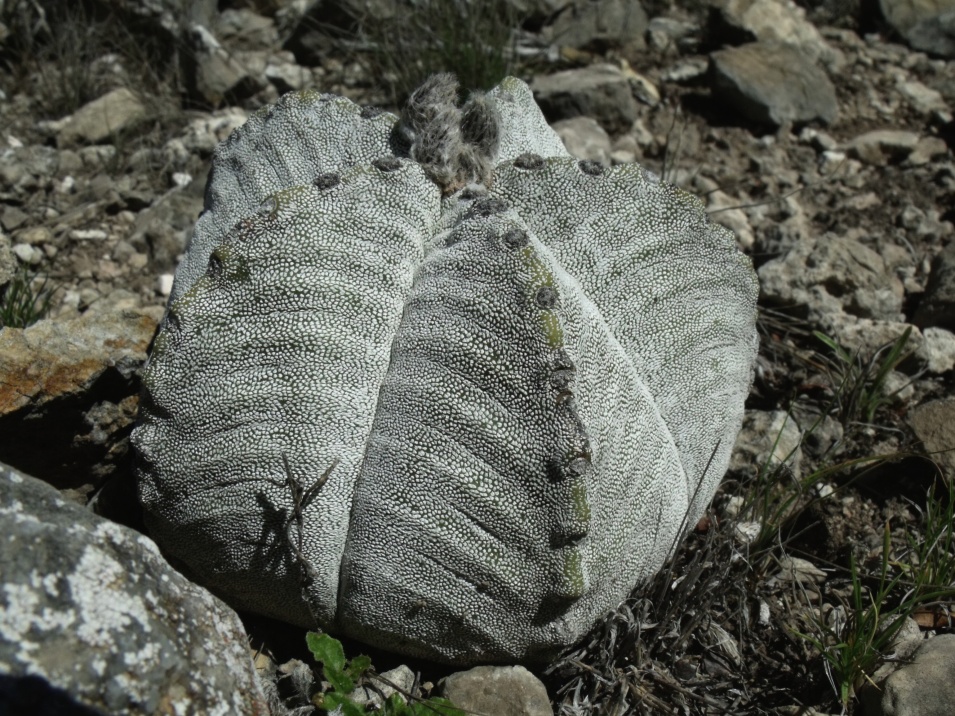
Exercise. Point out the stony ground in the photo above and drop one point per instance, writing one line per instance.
(831, 521)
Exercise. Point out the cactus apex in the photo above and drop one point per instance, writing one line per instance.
(456, 146)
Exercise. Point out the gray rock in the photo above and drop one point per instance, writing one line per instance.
(926, 150)
(625, 150)
(904, 644)
(599, 91)
(68, 394)
(925, 687)
(13, 217)
(779, 21)
(8, 264)
(796, 569)
(772, 83)
(667, 34)
(823, 433)
(927, 25)
(934, 425)
(935, 35)
(865, 336)
(243, 29)
(937, 350)
(833, 274)
(96, 121)
(768, 439)
(203, 134)
(168, 17)
(938, 304)
(933, 350)
(882, 146)
(642, 87)
(724, 210)
(22, 168)
(584, 138)
(215, 75)
(93, 609)
(600, 25)
(400, 680)
(287, 76)
(686, 71)
(498, 690)
(27, 254)
(162, 230)
(902, 15)
(921, 98)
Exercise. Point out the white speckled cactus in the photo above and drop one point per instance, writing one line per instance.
(524, 372)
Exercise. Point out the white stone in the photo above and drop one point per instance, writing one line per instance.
(165, 283)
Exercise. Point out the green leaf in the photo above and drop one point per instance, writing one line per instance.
(348, 707)
(358, 666)
(329, 651)
(436, 707)
(836, 348)
(395, 706)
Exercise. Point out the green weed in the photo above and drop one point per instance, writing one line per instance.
(473, 40)
(775, 497)
(859, 383)
(854, 647)
(21, 303)
(928, 565)
(344, 675)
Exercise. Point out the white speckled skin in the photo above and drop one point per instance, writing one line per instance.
(527, 387)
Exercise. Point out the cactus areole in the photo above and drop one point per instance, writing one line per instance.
(432, 383)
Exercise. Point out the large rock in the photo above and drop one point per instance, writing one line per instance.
(927, 25)
(883, 146)
(162, 230)
(243, 29)
(23, 169)
(934, 424)
(600, 25)
(93, 609)
(933, 350)
(905, 14)
(767, 440)
(95, 121)
(215, 75)
(585, 139)
(166, 18)
(8, 264)
(498, 690)
(923, 687)
(68, 394)
(781, 21)
(600, 91)
(833, 274)
(938, 303)
(772, 83)
(935, 36)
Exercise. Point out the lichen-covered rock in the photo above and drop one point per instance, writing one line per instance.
(92, 609)
(433, 383)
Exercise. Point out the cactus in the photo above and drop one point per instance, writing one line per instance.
(432, 383)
